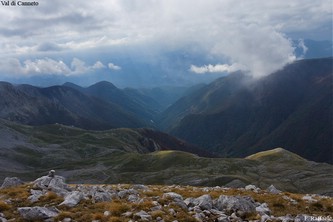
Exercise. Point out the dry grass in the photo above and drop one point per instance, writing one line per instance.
(4, 206)
(157, 213)
(145, 205)
(117, 208)
(17, 192)
(117, 219)
(64, 214)
(152, 193)
(87, 211)
(50, 199)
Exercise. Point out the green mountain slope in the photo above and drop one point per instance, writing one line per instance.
(60, 104)
(144, 104)
(106, 91)
(139, 156)
(237, 116)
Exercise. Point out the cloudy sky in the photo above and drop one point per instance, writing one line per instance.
(170, 39)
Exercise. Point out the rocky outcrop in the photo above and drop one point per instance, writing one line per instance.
(37, 213)
(148, 203)
(234, 204)
(176, 199)
(273, 190)
(72, 199)
(11, 182)
(35, 195)
(2, 218)
(52, 182)
(204, 202)
(143, 216)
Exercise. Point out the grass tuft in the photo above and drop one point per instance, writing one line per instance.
(4, 206)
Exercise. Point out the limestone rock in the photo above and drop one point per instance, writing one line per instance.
(273, 190)
(205, 202)
(55, 183)
(190, 202)
(140, 187)
(173, 196)
(127, 214)
(235, 203)
(11, 182)
(291, 200)
(42, 182)
(58, 185)
(37, 213)
(2, 218)
(176, 198)
(101, 197)
(72, 199)
(133, 198)
(124, 193)
(265, 218)
(143, 215)
(309, 198)
(106, 213)
(35, 195)
(223, 219)
(287, 218)
(263, 209)
(252, 188)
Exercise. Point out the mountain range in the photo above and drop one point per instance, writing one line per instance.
(238, 115)
(234, 116)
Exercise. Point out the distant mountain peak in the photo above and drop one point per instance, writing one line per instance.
(103, 84)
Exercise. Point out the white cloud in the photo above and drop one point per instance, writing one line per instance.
(98, 65)
(113, 66)
(262, 50)
(79, 66)
(251, 33)
(216, 68)
(47, 66)
(302, 45)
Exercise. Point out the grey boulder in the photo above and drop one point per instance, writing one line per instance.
(56, 184)
(72, 199)
(11, 182)
(235, 203)
(272, 189)
(37, 213)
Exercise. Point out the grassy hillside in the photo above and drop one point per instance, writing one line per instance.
(131, 156)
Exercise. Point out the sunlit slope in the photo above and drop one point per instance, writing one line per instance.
(144, 156)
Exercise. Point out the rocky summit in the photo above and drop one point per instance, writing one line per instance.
(50, 198)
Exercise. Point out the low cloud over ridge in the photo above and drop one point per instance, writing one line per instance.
(215, 68)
